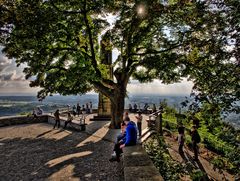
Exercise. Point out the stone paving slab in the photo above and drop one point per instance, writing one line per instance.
(38, 152)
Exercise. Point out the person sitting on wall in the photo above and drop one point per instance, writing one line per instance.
(39, 111)
(130, 109)
(69, 119)
(34, 113)
(129, 140)
(145, 108)
(74, 110)
(122, 135)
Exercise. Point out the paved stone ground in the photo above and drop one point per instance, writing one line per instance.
(38, 152)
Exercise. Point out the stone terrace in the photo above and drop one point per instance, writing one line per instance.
(38, 152)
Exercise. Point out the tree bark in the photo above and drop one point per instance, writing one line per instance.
(117, 108)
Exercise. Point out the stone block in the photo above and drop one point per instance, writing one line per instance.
(142, 173)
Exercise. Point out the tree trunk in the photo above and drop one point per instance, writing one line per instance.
(117, 108)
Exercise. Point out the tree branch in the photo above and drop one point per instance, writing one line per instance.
(157, 52)
(110, 83)
(93, 57)
(67, 11)
(103, 89)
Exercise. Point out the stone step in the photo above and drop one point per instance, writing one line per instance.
(101, 118)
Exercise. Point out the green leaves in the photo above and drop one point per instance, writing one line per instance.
(171, 40)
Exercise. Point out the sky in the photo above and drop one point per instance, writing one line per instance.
(12, 82)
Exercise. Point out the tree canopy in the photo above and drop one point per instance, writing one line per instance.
(59, 41)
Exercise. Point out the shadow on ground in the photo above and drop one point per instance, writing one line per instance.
(54, 155)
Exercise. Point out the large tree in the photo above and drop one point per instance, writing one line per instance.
(59, 42)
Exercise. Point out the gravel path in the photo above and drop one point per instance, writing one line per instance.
(38, 152)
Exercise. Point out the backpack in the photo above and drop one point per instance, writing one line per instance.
(197, 138)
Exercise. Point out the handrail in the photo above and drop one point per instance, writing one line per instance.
(155, 114)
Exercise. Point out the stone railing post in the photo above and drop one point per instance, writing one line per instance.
(159, 123)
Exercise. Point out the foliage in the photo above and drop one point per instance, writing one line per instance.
(197, 175)
(157, 150)
(216, 136)
(58, 41)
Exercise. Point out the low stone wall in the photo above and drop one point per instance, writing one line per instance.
(74, 125)
(13, 120)
(138, 166)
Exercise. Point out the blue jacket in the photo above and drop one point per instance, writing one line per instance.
(131, 134)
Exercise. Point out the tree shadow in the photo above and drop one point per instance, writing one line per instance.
(44, 133)
(197, 164)
(60, 159)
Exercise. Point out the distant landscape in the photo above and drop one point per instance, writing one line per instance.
(15, 105)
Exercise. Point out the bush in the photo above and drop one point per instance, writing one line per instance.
(157, 150)
(198, 175)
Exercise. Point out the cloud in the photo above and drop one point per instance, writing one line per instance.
(156, 87)
(12, 79)
(11, 76)
(4, 62)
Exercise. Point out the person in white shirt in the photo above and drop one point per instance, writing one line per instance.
(139, 123)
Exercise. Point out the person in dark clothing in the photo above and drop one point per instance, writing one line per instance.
(78, 109)
(130, 108)
(74, 110)
(57, 119)
(196, 122)
(135, 107)
(129, 140)
(181, 138)
(122, 135)
(35, 116)
(145, 108)
(90, 107)
(154, 109)
(195, 140)
(69, 120)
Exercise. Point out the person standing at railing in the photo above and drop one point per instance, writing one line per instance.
(78, 109)
(135, 107)
(83, 112)
(57, 119)
(90, 106)
(139, 123)
(74, 110)
(154, 109)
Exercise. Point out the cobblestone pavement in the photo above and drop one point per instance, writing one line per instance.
(38, 152)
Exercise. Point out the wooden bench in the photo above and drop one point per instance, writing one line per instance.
(138, 166)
